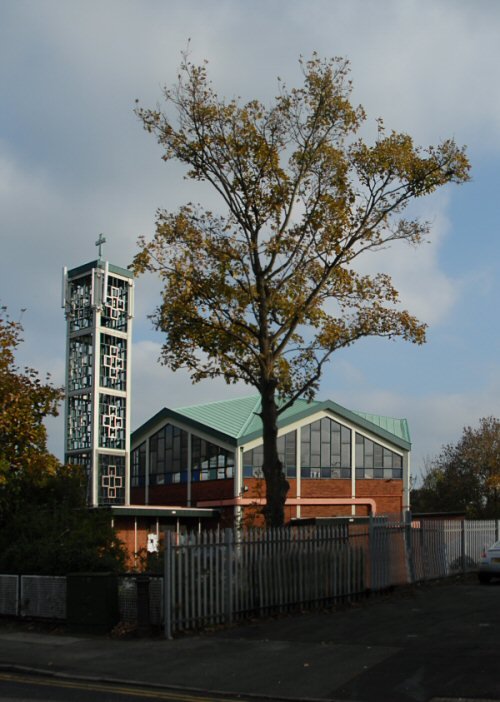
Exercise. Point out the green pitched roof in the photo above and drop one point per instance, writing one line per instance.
(398, 427)
(231, 417)
(237, 420)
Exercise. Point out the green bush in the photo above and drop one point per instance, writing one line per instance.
(46, 528)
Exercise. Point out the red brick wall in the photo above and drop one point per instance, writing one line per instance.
(173, 494)
(125, 529)
(388, 494)
(137, 496)
(212, 490)
(325, 488)
(255, 487)
(325, 511)
(252, 515)
(176, 494)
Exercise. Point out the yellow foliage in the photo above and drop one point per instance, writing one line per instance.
(24, 403)
(267, 291)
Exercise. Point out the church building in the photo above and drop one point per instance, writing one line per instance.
(201, 466)
(337, 462)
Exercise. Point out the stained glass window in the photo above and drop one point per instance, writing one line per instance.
(80, 363)
(111, 480)
(113, 362)
(115, 308)
(79, 422)
(80, 303)
(112, 415)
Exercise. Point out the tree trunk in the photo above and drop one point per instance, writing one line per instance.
(276, 484)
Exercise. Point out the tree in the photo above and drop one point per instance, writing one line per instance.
(25, 401)
(45, 526)
(268, 290)
(465, 476)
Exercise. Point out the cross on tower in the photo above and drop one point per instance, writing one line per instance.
(101, 240)
(112, 482)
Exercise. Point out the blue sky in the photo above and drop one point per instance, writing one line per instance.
(74, 162)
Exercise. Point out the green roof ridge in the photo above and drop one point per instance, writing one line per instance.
(233, 417)
(215, 402)
(236, 420)
(254, 426)
(250, 417)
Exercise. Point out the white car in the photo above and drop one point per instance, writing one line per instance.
(489, 563)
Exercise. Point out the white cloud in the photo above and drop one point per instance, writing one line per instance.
(154, 386)
(74, 160)
(425, 289)
(426, 67)
(435, 417)
(31, 217)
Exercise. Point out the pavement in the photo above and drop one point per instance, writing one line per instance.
(438, 641)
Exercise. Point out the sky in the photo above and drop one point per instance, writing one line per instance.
(75, 162)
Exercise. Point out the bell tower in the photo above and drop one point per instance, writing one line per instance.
(98, 300)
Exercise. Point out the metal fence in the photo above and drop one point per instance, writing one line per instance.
(9, 595)
(213, 578)
(39, 596)
(127, 599)
(216, 578)
(44, 597)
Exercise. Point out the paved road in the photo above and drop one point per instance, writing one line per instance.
(439, 640)
(418, 644)
(19, 687)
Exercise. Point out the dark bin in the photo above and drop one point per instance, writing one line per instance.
(92, 602)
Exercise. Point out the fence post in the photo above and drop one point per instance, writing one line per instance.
(408, 546)
(19, 602)
(373, 547)
(22, 607)
(228, 594)
(167, 586)
(462, 544)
